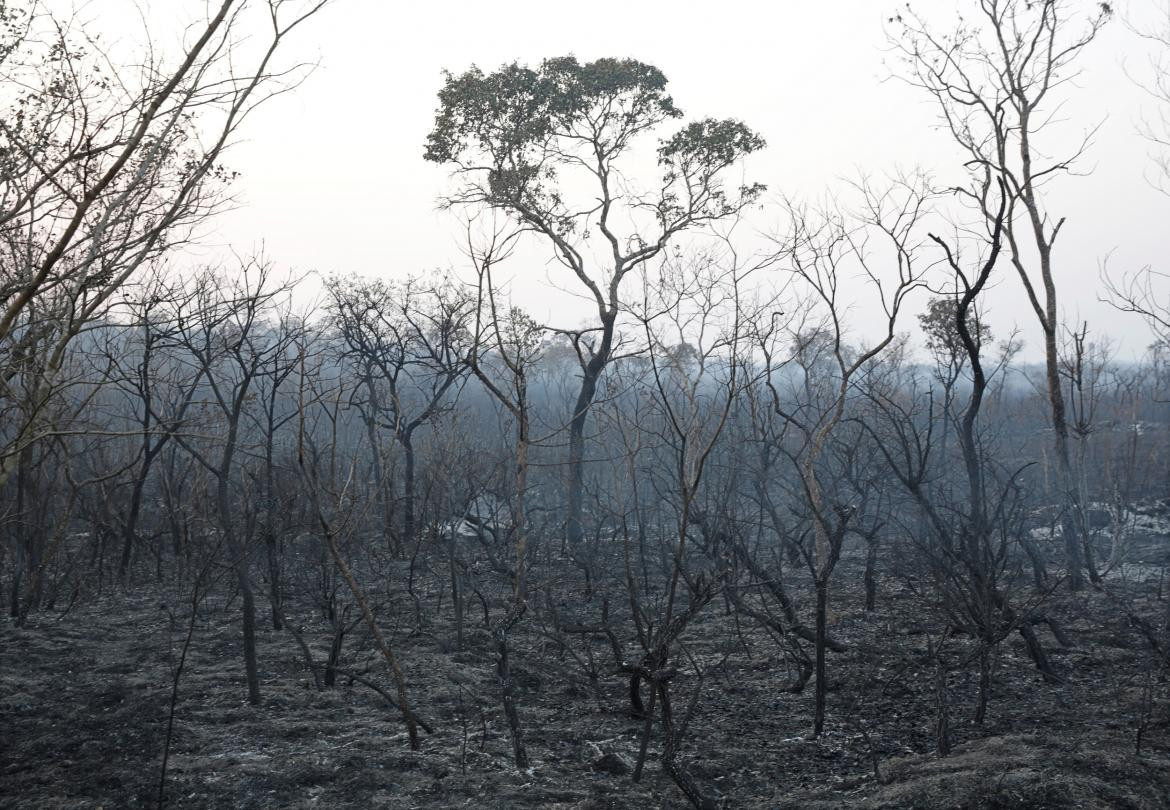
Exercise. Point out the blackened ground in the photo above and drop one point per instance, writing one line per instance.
(84, 698)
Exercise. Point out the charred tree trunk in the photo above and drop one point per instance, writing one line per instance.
(820, 687)
(575, 529)
(130, 529)
(871, 558)
(239, 558)
(590, 374)
(408, 490)
(942, 730)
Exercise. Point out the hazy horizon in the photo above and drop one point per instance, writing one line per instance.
(333, 180)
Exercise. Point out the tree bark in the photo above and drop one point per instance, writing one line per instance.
(408, 487)
(820, 687)
(590, 374)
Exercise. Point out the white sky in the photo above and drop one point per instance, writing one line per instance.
(334, 179)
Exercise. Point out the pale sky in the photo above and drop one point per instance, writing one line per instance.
(334, 179)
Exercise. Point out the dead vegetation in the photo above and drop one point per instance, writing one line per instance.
(83, 708)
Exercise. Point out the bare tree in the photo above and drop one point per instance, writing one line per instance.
(291, 338)
(158, 390)
(997, 81)
(819, 250)
(693, 322)
(225, 328)
(510, 340)
(106, 168)
(968, 530)
(408, 345)
(334, 523)
(1155, 80)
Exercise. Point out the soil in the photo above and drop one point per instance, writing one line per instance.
(84, 700)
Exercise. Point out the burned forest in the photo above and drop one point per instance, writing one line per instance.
(668, 478)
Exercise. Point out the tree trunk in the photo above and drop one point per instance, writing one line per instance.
(942, 732)
(239, 557)
(519, 520)
(249, 605)
(1039, 570)
(129, 531)
(984, 683)
(575, 531)
(871, 556)
(275, 595)
(21, 561)
(372, 625)
(456, 591)
(383, 503)
(408, 518)
(590, 374)
(508, 697)
(820, 687)
(334, 654)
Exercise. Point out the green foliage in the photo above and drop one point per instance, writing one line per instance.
(509, 115)
(511, 131)
(503, 114)
(709, 145)
(939, 325)
(694, 155)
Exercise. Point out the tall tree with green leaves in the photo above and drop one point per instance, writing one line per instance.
(553, 147)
